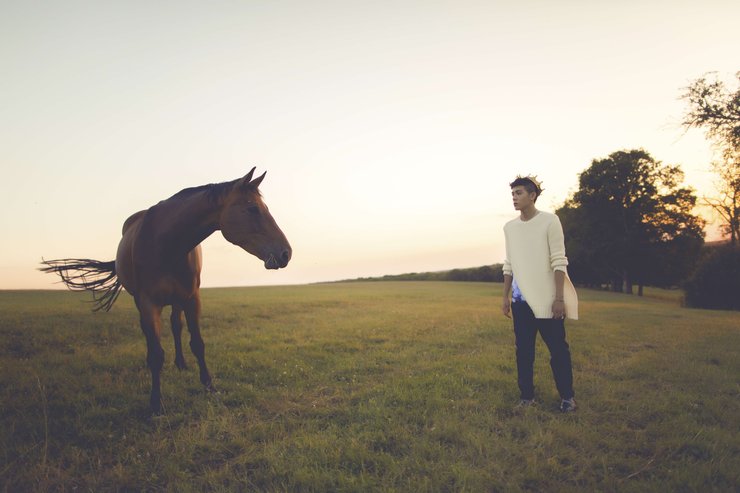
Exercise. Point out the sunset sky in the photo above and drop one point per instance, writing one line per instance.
(389, 130)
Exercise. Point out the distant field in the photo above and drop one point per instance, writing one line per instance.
(379, 386)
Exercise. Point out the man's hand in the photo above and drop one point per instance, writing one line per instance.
(506, 307)
(558, 309)
(558, 306)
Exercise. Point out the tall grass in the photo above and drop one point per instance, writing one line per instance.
(367, 387)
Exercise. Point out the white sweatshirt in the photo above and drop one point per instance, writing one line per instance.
(535, 249)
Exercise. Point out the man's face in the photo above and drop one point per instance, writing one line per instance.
(521, 198)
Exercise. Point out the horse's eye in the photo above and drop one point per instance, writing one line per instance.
(253, 209)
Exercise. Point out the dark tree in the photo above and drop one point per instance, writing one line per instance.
(716, 282)
(631, 222)
(585, 262)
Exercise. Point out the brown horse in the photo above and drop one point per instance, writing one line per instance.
(159, 262)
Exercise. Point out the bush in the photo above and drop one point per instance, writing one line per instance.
(716, 281)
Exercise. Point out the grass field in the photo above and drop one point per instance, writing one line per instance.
(406, 386)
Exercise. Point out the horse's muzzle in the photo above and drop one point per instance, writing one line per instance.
(274, 262)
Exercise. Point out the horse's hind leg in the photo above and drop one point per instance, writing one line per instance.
(192, 315)
(176, 321)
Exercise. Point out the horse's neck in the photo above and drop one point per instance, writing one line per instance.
(184, 221)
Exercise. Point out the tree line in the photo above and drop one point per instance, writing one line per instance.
(485, 273)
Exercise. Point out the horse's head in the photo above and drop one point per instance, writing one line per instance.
(245, 221)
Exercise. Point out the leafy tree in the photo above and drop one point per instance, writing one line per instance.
(631, 222)
(715, 108)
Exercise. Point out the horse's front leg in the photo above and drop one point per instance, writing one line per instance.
(176, 322)
(151, 325)
(192, 315)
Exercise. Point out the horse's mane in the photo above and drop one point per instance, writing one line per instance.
(214, 191)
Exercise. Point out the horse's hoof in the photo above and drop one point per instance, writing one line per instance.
(155, 407)
(181, 365)
(210, 388)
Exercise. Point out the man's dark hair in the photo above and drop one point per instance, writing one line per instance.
(529, 185)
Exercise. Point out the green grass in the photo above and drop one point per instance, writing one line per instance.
(405, 386)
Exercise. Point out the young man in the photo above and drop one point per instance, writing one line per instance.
(537, 291)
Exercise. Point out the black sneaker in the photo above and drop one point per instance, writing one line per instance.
(568, 405)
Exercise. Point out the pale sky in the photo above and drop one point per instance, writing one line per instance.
(389, 130)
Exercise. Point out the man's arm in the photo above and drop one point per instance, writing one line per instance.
(558, 262)
(506, 304)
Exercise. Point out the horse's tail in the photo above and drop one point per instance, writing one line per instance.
(82, 274)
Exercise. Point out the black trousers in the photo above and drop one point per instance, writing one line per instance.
(552, 331)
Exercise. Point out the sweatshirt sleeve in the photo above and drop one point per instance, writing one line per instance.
(507, 264)
(556, 242)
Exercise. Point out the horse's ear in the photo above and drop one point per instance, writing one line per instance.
(244, 182)
(256, 183)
